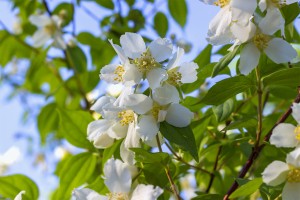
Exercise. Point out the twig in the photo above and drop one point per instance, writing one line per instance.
(89, 13)
(173, 186)
(255, 152)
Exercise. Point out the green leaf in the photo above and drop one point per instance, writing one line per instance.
(75, 172)
(287, 77)
(66, 11)
(47, 121)
(225, 61)
(98, 186)
(290, 12)
(208, 197)
(141, 155)
(183, 137)
(178, 10)
(161, 24)
(77, 59)
(226, 89)
(111, 151)
(106, 4)
(73, 125)
(223, 111)
(11, 185)
(247, 189)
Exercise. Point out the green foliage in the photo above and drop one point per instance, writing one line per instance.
(11, 185)
(223, 111)
(183, 137)
(248, 188)
(178, 10)
(73, 173)
(161, 24)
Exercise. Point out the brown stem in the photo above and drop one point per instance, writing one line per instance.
(173, 186)
(256, 152)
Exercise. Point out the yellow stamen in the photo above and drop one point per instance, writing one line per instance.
(297, 132)
(155, 111)
(146, 62)
(222, 3)
(278, 3)
(127, 117)
(293, 175)
(118, 196)
(50, 29)
(261, 41)
(174, 77)
(119, 71)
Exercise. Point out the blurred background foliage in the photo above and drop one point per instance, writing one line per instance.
(66, 82)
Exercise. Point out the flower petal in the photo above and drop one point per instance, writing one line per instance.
(247, 6)
(293, 158)
(40, 37)
(87, 194)
(117, 176)
(166, 94)
(58, 41)
(262, 4)
(249, 58)
(133, 138)
(127, 155)
(291, 191)
(280, 51)
(140, 103)
(161, 49)
(133, 45)
(272, 22)
(117, 131)
(243, 32)
(98, 105)
(119, 51)
(188, 72)
(275, 173)
(40, 20)
(132, 75)
(19, 196)
(147, 127)
(283, 136)
(155, 77)
(296, 112)
(97, 132)
(146, 192)
(174, 61)
(178, 115)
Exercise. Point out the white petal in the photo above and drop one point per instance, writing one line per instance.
(188, 72)
(108, 74)
(248, 6)
(10, 156)
(87, 194)
(296, 112)
(280, 51)
(146, 192)
(127, 155)
(291, 191)
(178, 115)
(97, 132)
(283, 136)
(275, 173)
(98, 105)
(119, 51)
(166, 94)
(132, 75)
(120, 102)
(40, 37)
(249, 58)
(288, 2)
(262, 4)
(59, 41)
(293, 158)
(153, 142)
(161, 49)
(118, 177)
(117, 131)
(140, 103)
(241, 17)
(272, 22)
(40, 20)
(161, 115)
(133, 45)
(147, 127)
(133, 138)
(155, 77)
(243, 32)
(174, 61)
(19, 196)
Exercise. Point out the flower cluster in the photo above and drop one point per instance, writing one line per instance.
(237, 22)
(118, 179)
(286, 135)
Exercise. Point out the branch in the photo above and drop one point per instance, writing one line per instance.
(255, 152)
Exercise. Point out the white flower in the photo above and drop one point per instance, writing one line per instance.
(19, 196)
(163, 107)
(287, 135)
(137, 60)
(48, 28)
(11, 156)
(118, 180)
(233, 14)
(277, 49)
(278, 172)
